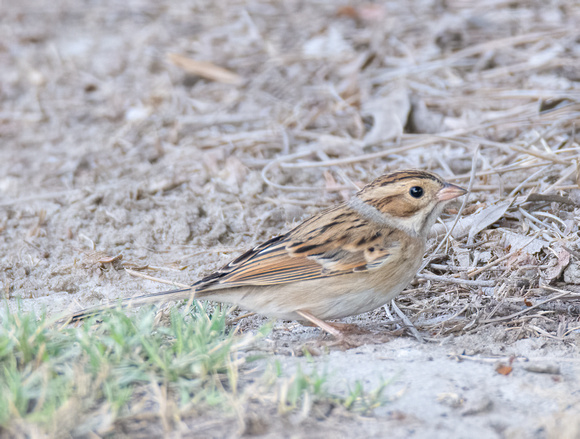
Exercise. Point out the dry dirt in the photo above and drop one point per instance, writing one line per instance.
(115, 156)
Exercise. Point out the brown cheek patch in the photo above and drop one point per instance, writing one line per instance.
(395, 205)
(382, 203)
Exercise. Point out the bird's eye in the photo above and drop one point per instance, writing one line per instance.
(416, 191)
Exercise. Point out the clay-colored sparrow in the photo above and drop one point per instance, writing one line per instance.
(347, 260)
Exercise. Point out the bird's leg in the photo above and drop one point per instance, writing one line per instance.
(340, 330)
(321, 324)
(340, 326)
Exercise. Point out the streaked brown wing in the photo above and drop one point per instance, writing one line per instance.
(334, 243)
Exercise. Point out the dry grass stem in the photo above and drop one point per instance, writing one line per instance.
(155, 279)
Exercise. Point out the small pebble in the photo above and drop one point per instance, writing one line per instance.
(481, 405)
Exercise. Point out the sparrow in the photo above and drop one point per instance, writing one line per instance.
(344, 261)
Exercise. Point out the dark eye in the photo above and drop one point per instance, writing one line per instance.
(416, 191)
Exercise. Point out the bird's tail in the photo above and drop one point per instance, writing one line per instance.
(161, 296)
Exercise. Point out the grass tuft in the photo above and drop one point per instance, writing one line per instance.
(110, 366)
(122, 368)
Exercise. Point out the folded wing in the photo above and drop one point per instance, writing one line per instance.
(335, 243)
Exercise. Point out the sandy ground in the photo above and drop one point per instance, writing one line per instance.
(437, 395)
(113, 157)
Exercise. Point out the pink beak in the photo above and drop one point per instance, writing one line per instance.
(449, 192)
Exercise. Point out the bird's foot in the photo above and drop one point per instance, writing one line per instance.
(346, 335)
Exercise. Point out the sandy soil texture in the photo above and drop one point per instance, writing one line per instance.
(162, 138)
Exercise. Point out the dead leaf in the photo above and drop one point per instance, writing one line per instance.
(473, 224)
(366, 12)
(462, 255)
(99, 259)
(518, 241)
(572, 274)
(486, 217)
(327, 45)
(503, 369)
(423, 120)
(389, 116)
(562, 261)
(339, 146)
(205, 69)
(347, 11)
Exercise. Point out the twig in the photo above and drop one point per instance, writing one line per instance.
(523, 311)
(540, 155)
(243, 316)
(452, 280)
(493, 360)
(407, 322)
(155, 279)
(551, 198)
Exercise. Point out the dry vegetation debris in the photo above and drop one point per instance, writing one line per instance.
(165, 137)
